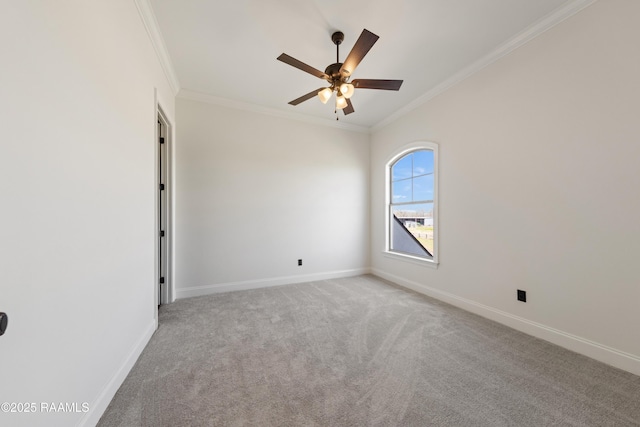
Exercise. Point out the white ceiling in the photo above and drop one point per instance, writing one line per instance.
(228, 49)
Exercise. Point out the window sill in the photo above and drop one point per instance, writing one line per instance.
(411, 259)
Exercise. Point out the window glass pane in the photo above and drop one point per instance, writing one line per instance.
(412, 190)
(422, 162)
(412, 229)
(423, 187)
(402, 168)
(401, 191)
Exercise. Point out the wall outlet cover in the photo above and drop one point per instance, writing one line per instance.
(522, 295)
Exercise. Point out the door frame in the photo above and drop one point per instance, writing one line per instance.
(167, 295)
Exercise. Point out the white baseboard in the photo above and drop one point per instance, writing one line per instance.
(97, 407)
(594, 350)
(196, 291)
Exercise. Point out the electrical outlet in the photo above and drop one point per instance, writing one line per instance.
(522, 295)
(299, 262)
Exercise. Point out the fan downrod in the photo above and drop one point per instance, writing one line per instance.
(333, 70)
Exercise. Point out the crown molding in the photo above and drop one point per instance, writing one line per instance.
(253, 108)
(525, 36)
(145, 10)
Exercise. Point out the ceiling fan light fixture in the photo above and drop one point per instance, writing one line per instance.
(325, 94)
(341, 102)
(347, 90)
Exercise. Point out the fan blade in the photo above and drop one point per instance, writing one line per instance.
(301, 66)
(364, 43)
(306, 97)
(349, 108)
(377, 84)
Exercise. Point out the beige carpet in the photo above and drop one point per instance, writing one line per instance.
(358, 352)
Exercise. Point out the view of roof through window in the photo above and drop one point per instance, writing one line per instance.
(412, 190)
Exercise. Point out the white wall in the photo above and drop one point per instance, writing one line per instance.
(255, 193)
(539, 173)
(77, 182)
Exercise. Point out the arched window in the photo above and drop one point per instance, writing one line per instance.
(412, 213)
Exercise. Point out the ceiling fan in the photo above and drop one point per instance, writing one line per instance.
(338, 74)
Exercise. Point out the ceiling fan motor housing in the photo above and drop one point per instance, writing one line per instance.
(333, 71)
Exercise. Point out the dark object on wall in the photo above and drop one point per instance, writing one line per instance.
(4, 320)
(522, 295)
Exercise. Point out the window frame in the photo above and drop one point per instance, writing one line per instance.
(387, 251)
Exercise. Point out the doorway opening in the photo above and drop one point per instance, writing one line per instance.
(164, 288)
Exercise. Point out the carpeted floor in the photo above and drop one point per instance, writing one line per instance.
(358, 352)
